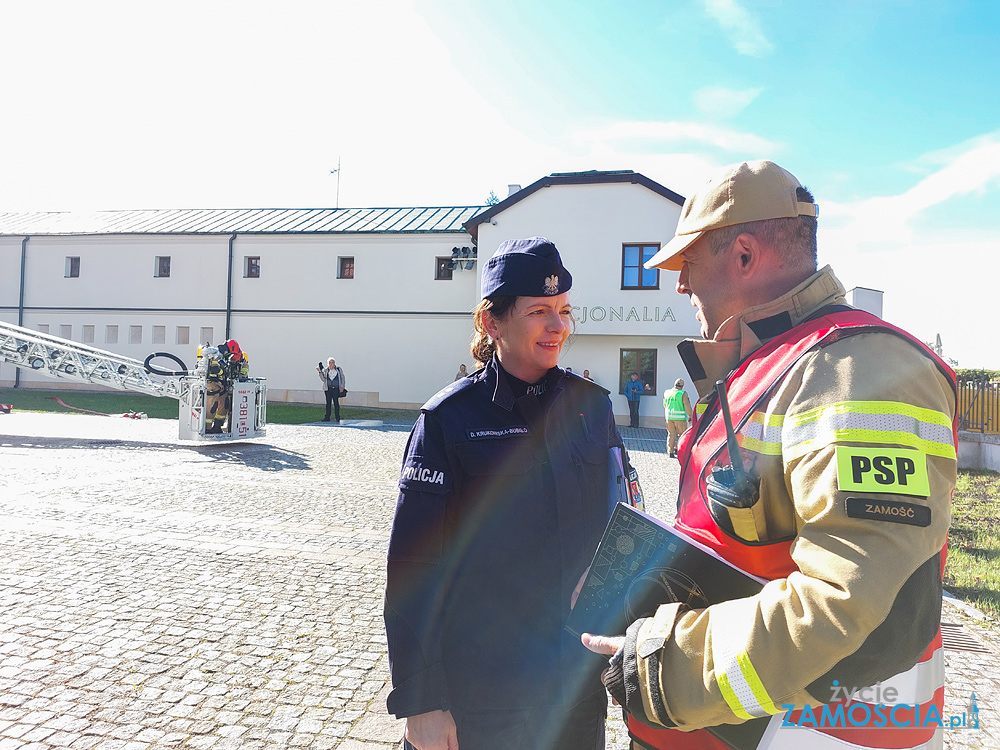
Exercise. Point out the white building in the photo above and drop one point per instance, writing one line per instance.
(375, 288)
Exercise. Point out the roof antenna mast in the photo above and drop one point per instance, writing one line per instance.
(337, 172)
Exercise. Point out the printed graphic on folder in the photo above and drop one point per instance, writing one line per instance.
(642, 563)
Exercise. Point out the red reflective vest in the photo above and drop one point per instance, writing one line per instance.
(703, 446)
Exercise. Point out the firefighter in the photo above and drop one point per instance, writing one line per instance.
(846, 432)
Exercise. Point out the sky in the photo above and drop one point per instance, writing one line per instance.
(887, 110)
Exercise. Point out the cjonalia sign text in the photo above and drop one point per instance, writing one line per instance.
(624, 314)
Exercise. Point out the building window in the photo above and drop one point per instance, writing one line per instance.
(634, 276)
(345, 267)
(135, 334)
(110, 334)
(66, 332)
(251, 267)
(183, 335)
(88, 334)
(43, 327)
(443, 269)
(641, 361)
(162, 268)
(72, 267)
(207, 334)
(159, 334)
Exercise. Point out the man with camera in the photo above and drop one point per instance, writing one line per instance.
(335, 386)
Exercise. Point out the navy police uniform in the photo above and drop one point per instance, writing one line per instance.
(503, 499)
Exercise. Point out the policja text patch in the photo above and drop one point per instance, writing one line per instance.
(890, 470)
(888, 510)
(416, 475)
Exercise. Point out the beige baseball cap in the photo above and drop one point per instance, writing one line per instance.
(751, 191)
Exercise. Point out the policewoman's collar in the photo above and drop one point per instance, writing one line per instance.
(503, 396)
(739, 336)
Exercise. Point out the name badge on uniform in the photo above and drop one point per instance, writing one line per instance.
(497, 433)
(890, 470)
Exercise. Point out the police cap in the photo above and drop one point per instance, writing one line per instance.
(526, 268)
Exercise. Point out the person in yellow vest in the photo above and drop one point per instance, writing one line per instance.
(677, 412)
(835, 491)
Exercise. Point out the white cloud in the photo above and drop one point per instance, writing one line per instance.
(717, 101)
(652, 136)
(937, 278)
(967, 168)
(740, 26)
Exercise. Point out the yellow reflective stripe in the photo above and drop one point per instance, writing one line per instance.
(731, 699)
(700, 407)
(759, 446)
(873, 407)
(762, 433)
(880, 422)
(736, 677)
(753, 680)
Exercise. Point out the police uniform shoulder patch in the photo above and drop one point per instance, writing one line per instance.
(421, 475)
(876, 509)
(890, 470)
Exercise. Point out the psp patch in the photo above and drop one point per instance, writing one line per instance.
(890, 470)
(888, 510)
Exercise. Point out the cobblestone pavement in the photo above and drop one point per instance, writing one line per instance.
(159, 594)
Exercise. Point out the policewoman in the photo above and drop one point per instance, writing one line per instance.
(503, 499)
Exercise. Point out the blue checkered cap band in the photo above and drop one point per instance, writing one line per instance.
(526, 268)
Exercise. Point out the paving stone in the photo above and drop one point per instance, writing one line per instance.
(156, 594)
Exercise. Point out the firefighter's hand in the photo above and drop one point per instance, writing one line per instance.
(609, 645)
(434, 730)
(614, 676)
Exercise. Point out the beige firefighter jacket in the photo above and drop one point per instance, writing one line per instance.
(865, 601)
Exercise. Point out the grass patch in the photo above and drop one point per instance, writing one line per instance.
(973, 569)
(115, 402)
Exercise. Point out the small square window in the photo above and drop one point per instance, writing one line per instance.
(43, 327)
(183, 335)
(162, 268)
(443, 269)
(207, 334)
(135, 334)
(634, 276)
(66, 332)
(251, 267)
(72, 267)
(159, 334)
(643, 363)
(110, 334)
(345, 267)
(88, 334)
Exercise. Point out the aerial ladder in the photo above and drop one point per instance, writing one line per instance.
(218, 402)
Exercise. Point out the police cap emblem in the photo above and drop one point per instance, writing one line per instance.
(552, 284)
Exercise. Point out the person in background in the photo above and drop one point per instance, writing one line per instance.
(586, 374)
(841, 501)
(677, 412)
(503, 497)
(462, 373)
(633, 392)
(334, 385)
